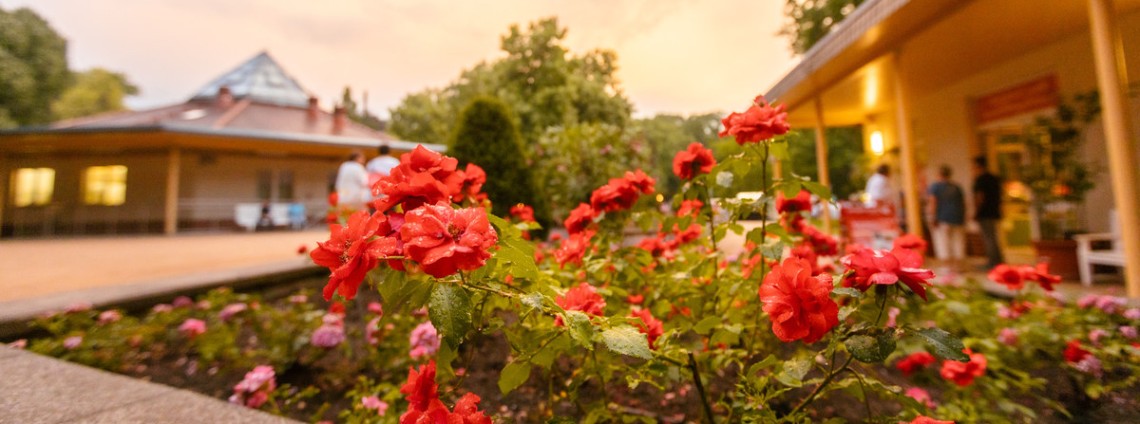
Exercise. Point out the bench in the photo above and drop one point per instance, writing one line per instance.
(247, 215)
(1087, 255)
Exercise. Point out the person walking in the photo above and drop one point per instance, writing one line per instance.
(948, 218)
(382, 165)
(352, 187)
(879, 188)
(987, 209)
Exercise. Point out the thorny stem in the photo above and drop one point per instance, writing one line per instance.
(763, 238)
(701, 389)
(863, 386)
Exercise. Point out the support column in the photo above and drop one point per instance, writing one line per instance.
(821, 160)
(170, 215)
(1112, 79)
(911, 191)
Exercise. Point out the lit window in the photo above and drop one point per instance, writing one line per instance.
(105, 185)
(32, 186)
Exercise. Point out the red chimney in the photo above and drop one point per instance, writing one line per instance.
(314, 110)
(225, 98)
(339, 120)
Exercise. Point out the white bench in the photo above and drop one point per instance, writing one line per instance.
(247, 215)
(1087, 256)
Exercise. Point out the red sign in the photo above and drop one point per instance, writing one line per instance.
(875, 226)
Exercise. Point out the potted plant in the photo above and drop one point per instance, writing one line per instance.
(1058, 179)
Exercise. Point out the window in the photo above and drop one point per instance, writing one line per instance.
(264, 185)
(32, 186)
(105, 185)
(285, 186)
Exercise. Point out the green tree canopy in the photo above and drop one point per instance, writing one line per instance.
(33, 68)
(810, 20)
(93, 91)
(665, 135)
(486, 136)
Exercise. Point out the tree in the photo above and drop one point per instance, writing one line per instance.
(33, 68)
(422, 117)
(354, 112)
(846, 162)
(810, 20)
(93, 91)
(579, 158)
(486, 136)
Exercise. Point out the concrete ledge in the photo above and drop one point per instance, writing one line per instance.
(16, 314)
(39, 389)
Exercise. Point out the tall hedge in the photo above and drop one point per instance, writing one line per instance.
(487, 136)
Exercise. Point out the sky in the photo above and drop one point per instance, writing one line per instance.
(674, 56)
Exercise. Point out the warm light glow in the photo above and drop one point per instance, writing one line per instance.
(877, 143)
(105, 185)
(871, 88)
(660, 197)
(32, 186)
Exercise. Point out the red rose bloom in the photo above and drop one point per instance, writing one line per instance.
(1074, 352)
(573, 248)
(654, 245)
(422, 177)
(802, 202)
(887, 267)
(910, 242)
(760, 122)
(467, 411)
(690, 208)
(580, 218)
(927, 420)
(1041, 275)
(805, 252)
(471, 185)
(1007, 275)
(914, 362)
(823, 243)
(964, 373)
(422, 395)
(444, 240)
(652, 327)
(695, 160)
(621, 193)
(351, 251)
(582, 297)
(640, 181)
(691, 233)
(523, 212)
(799, 305)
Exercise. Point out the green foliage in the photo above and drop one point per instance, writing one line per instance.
(94, 91)
(361, 116)
(810, 20)
(580, 158)
(846, 162)
(33, 68)
(486, 136)
(665, 135)
(1055, 170)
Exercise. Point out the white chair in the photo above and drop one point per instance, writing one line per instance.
(1087, 256)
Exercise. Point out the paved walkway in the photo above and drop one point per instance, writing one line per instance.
(37, 268)
(37, 389)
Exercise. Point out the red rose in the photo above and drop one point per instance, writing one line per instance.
(1074, 352)
(883, 267)
(695, 160)
(914, 362)
(964, 373)
(640, 181)
(927, 420)
(573, 248)
(654, 245)
(351, 251)
(802, 202)
(652, 327)
(823, 243)
(807, 253)
(1009, 276)
(422, 395)
(690, 208)
(579, 218)
(691, 233)
(799, 305)
(422, 177)
(1040, 274)
(910, 242)
(760, 122)
(467, 411)
(635, 299)
(621, 193)
(444, 240)
(523, 212)
(582, 297)
(472, 184)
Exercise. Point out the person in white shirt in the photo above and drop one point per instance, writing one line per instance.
(352, 188)
(382, 165)
(879, 188)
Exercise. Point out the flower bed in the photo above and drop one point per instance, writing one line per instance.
(461, 318)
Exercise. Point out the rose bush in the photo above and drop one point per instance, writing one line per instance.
(637, 314)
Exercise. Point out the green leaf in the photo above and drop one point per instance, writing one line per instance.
(706, 325)
(790, 188)
(581, 330)
(871, 349)
(450, 312)
(513, 376)
(794, 371)
(942, 344)
(533, 300)
(403, 294)
(443, 358)
(778, 150)
(626, 340)
(768, 362)
(773, 250)
(820, 190)
(847, 291)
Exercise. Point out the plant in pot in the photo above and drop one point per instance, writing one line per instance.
(1059, 178)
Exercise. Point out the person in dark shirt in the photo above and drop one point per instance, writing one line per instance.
(987, 203)
(949, 219)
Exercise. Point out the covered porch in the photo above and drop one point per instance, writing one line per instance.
(938, 82)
